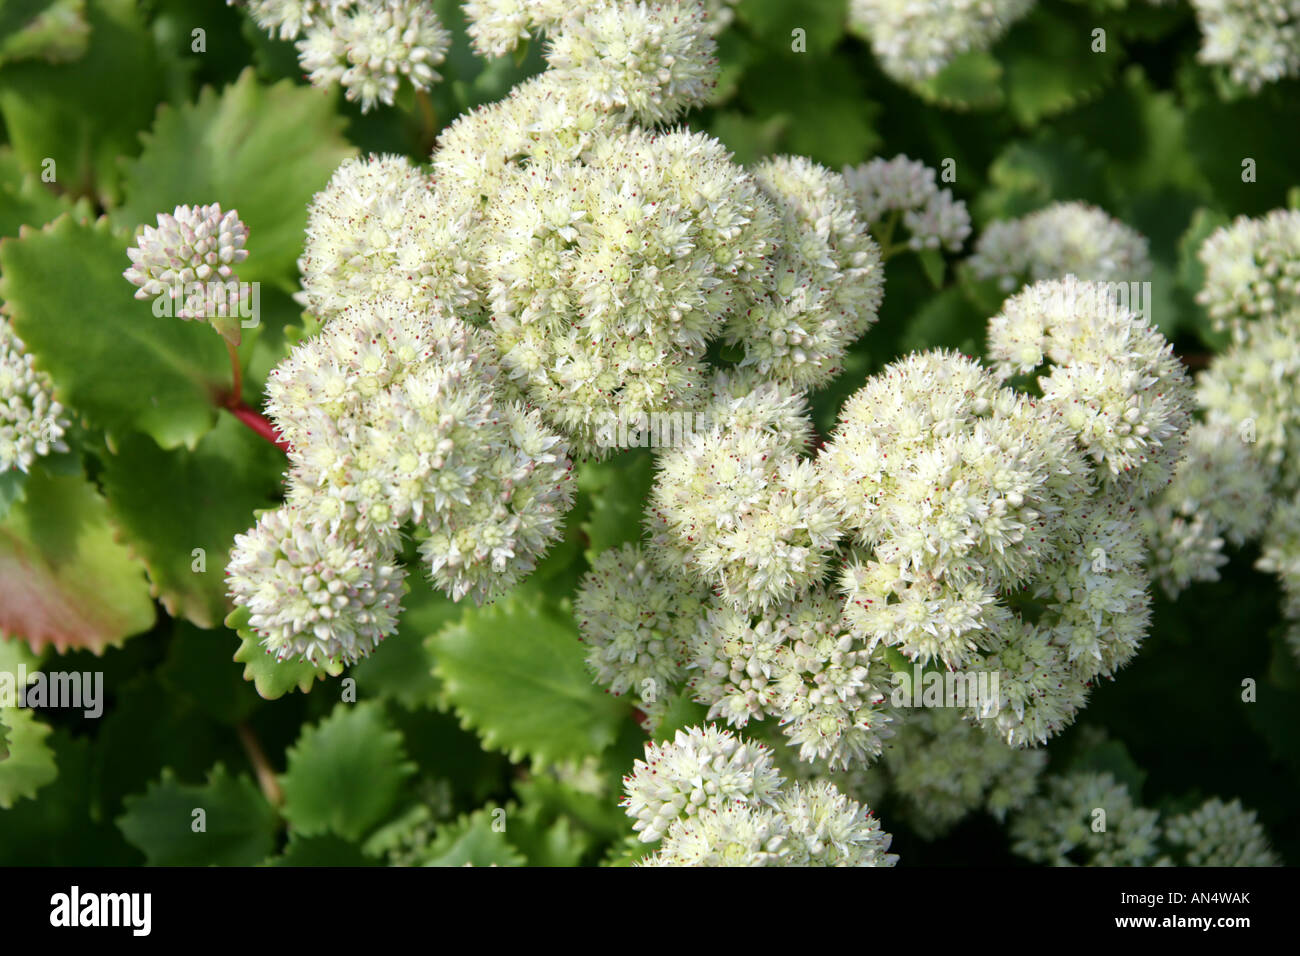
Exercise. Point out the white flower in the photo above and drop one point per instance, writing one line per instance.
(32, 423)
(1219, 834)
(932, 217)
(1252, 269)
(1056, 827)
(1065, 238)
(1258, 40)
(699, 771)
(827, 282)
(914, 41)
(312, 592)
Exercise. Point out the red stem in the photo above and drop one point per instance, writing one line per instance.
(258, 423)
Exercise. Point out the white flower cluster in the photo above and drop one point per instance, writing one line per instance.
(32, 423)
(498, 26)
(393, 418)
(827, 282)
(1086, 819)
(716, 800)
(1065, 238)
(1258, 40)
(365, 46)
(1220, 493)
(1090, 819)
(190, 258)
(914, 41)
(637, 624)
(1114, 379)
(1252, 270)
(1253, 389)
(943, 768)
(798, 664)
(1219, 834)
(905, 189)
(1280, 554)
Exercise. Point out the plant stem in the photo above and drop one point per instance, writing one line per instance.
(428, 121)
(258, 423)
(261, 766)
(236, 376)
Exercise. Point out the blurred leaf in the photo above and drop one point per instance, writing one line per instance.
(401, 668)
(773, 23)
(236, 828)
(618, 501)
(29, 765)
(274, 678)
(198, 668)
(55, 31)
(972, 80)
(1050, 65)
(327, 850)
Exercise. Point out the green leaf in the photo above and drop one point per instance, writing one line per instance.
(55, 31)
(516, 674)
(619, 490)
(972, 80)
(64, 579)
(30, 764)
(11, 489)
(4, 738)
(274, 678)
(1029, 174)
(324, 850)
(263, 150)
(1050, 66)
(473, 840)
(26, 201)
(198, 669)
(934, 265)
(180, 510)
(87, 114)
(401, 668)
(117, 363)
(947, 320)
(236, 827)
(346, 773)
(773, 22)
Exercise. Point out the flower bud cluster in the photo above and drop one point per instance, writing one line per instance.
(906, 188)
(1257, 40)
(1252, 270)
(32, 423)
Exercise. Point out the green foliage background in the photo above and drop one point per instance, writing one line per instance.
(464, 712)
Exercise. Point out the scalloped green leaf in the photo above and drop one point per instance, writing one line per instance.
(346, 774)
(26, 201)
(516, 674)
(30, 764)
(472, 840)
(971, 81)
(1049, 65)
(401, 668)
(237, 826)
(110, 357)
(64, 579)
(180, 510)
(327, 850)
(86, 114)
(263, 150)
(274, 678)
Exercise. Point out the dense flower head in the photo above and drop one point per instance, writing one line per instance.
(365, 46)
(1062, 826)
(906, 188)
(649, 61)
(392, 417)
(191, 245)
(1257, 40)
(380, 229)
(1252, 269)
(32, 423)
(743, 512)
(942, 469)
(1253, 389)
(698, 771)
(797, 664)
(1219, 834)
(716, 800)
(914, 41)
(1065, 238)
(314, 592)
(827, 283)
(943, 767)
(1221, 493)
(1113, 378)
(742, 399)
(636, 623)
(607, 279)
